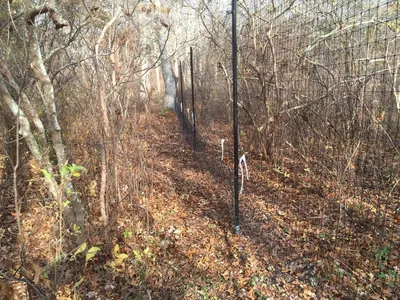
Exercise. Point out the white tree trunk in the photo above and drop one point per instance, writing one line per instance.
(75, 213)
(47, 91)
(168, 76)
(26, 132)
(158, 80)
(105, 119)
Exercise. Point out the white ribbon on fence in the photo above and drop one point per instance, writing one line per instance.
(242, 161)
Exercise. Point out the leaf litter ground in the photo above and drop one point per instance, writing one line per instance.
(287, 247)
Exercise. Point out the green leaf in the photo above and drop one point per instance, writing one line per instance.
(116, 249)
(91, 253)
(80, 249)
(122, 256)
(77, 228)
(147, 252)
(127, 233)
(80, 168)
(74, 168)
(64, 171)
(382, 275)
(66, 203)
(46, 174)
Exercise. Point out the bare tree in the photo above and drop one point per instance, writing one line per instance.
(25, 112)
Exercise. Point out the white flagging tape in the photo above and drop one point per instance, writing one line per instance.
(181, 107)
(222, 149)
(188, 113)
(242, 160)
(192, 118)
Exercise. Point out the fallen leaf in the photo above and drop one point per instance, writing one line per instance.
(38, 272)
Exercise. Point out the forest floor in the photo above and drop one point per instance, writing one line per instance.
(291, 245)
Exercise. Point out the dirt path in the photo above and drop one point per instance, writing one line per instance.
(287, 247)
(193, 203)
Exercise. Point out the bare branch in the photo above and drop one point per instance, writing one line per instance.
(43, 9)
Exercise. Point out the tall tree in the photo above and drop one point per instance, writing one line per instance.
(168, 75)
(16, 99)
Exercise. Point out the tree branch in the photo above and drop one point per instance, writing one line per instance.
(43, 9)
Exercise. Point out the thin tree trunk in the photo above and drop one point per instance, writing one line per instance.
(105, 120)
(158, 80)
(26, 132)
(74, 214)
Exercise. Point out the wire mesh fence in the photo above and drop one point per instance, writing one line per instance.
(318, 84)
(337, 64)
(316, 77)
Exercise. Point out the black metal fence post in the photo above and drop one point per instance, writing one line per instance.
(193, 110)
(235, 119)
(182, 108)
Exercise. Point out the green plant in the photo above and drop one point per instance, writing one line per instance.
(118, 258)
(254, 280)
(388, 275)
(341, 272)
(127, 233)
(140, 255)
(77, 229)
(382, 256)
(89, 254)
(64, 190)
(72, 170)
(279, 171)
(66, 172)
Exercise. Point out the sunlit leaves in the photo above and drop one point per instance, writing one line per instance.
(80, 249)
(66, 172)
(91, 253)
(119, 258)
(46, 174)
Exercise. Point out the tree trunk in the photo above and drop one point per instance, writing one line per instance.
(75, 213)
(168, 75)
(105, 119)
(26, 132)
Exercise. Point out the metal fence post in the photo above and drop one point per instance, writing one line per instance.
(182, 108)
(235, 119)
(193, 110)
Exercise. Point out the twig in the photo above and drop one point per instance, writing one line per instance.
(305, 158)
(25, 280)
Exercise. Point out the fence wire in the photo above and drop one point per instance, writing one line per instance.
(318, 82)
(313, 76)
(338, 74)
